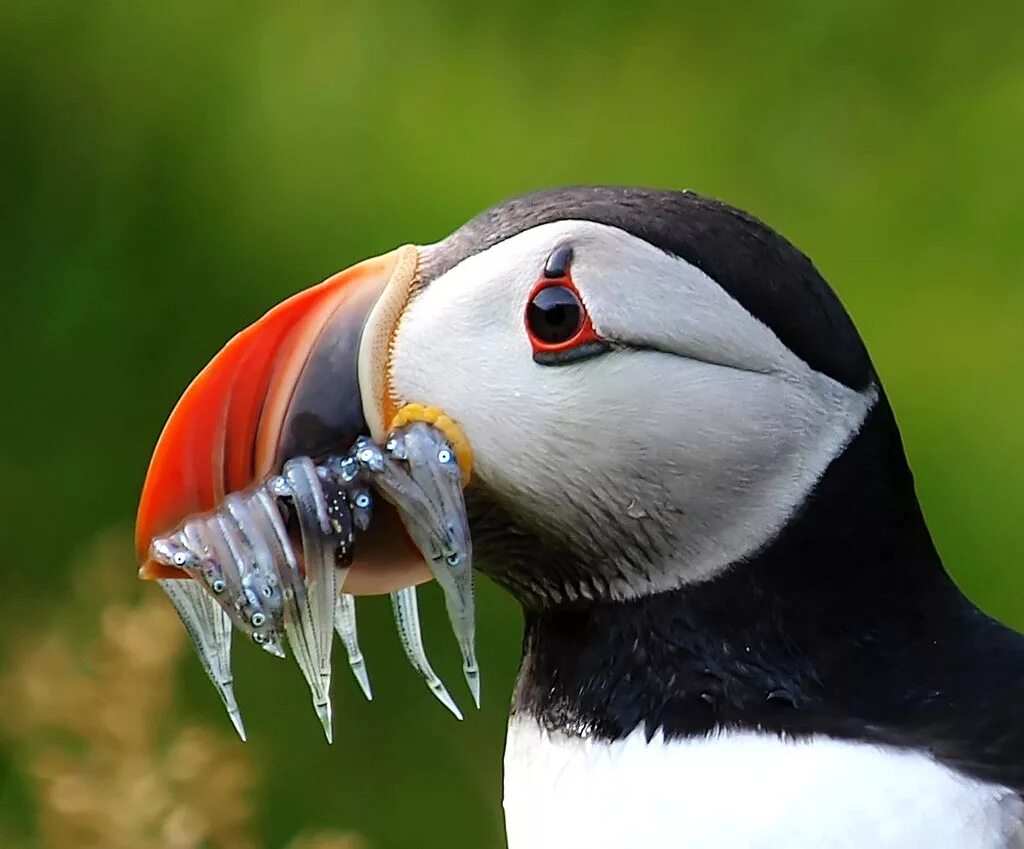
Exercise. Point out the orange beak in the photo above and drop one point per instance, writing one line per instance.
(304, 380)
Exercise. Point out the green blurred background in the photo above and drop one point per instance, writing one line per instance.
(171, 170)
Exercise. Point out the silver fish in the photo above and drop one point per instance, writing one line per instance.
(247, 571)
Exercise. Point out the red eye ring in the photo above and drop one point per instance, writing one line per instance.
(556, 318)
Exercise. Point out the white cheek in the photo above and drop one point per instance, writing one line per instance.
(709, 461)
(671, 460)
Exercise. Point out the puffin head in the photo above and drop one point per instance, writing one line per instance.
(652, 383)
(662, 406)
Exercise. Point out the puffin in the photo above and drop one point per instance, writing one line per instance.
(738, 632)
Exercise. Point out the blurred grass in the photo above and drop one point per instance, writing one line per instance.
(171, 170)
(89, 709)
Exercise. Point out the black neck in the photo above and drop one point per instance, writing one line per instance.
(846, 625)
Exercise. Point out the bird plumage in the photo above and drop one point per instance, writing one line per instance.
(684, 467)
(651, 659)
(743, 790)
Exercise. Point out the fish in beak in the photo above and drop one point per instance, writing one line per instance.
(256, 510)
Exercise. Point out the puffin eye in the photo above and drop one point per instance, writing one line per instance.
(557, 323)
(554, 315)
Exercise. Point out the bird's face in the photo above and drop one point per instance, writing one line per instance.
(634, 426)
(623, 409)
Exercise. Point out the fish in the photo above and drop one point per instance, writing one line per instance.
(270, 561)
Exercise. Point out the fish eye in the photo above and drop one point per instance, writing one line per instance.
(554, 315)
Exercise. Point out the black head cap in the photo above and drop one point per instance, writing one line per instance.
(770, 278)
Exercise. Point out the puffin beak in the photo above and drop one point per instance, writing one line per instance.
(306, 379)
(288, 419)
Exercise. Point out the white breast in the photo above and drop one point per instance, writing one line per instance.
(743, 791)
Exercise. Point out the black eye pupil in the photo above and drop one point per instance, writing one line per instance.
(555, 315)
